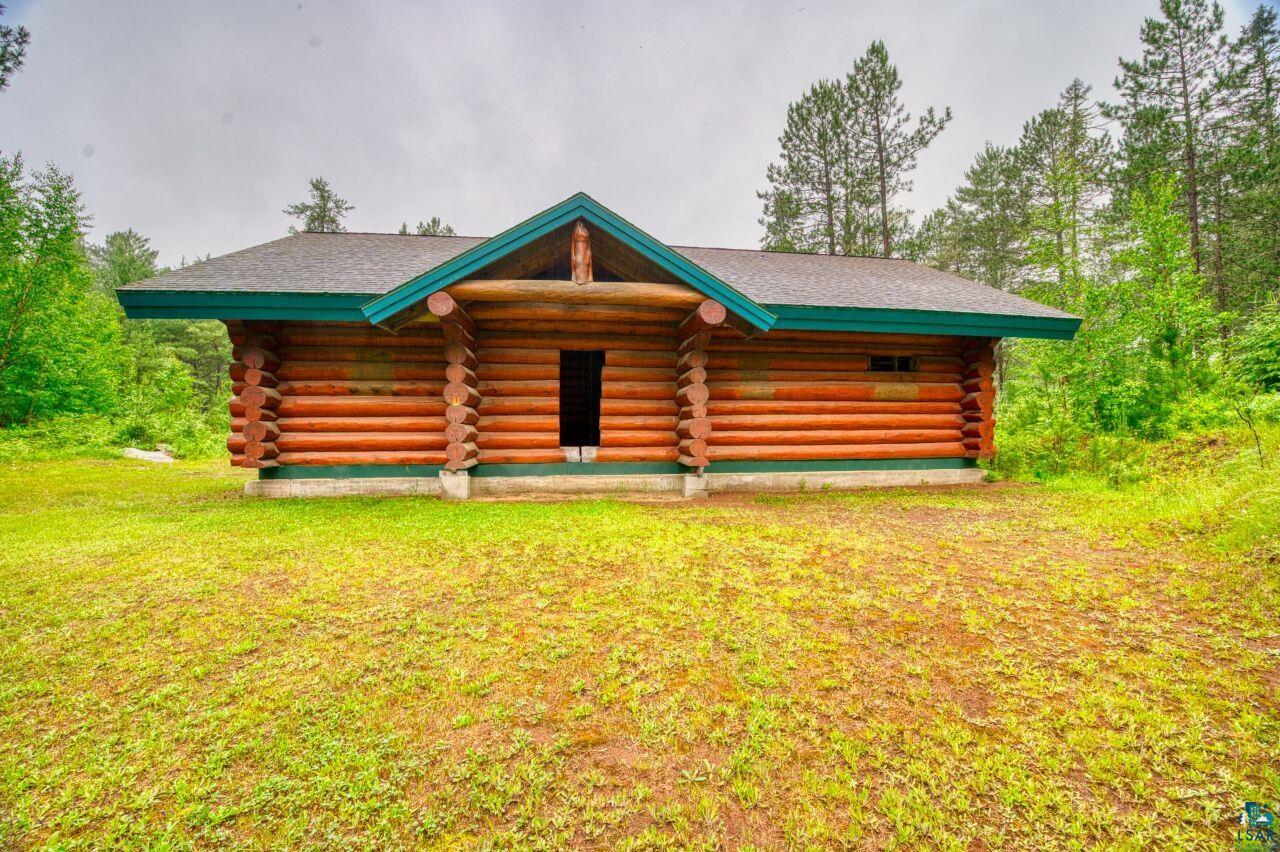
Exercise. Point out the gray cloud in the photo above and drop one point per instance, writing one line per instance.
(196, 123)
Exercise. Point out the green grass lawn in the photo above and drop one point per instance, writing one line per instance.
(1002, 666)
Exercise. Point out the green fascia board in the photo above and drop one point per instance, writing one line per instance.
(906, 321)
(191, 304)
(834, 465)
(383, 309)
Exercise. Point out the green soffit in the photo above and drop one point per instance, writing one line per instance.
(388, 310)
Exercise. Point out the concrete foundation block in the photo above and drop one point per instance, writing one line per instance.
(695, 485)
(408, 486)
(455, 485)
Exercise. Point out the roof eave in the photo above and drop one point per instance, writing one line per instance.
(912, 321)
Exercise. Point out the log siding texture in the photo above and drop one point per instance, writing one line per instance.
(350, 394)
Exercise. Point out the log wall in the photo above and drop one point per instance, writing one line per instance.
(792, 395)
(482, 386)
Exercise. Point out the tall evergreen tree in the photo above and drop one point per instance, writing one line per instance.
(124, 257)
(882, 128)
(1170, 98)
(987, 214)
(323, 213)
(13, 50)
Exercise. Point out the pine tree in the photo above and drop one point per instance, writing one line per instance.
(987, 214)
(124, 257)
(881, 126)
(810, 204)
(323, 213)
(13, 50)
(435, 228)
(1171, 96)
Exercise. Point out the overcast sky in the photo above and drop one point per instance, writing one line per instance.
(195, 123)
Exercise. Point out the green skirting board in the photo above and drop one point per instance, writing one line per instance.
(378, 471)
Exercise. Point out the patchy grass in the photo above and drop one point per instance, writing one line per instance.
(1005, 666)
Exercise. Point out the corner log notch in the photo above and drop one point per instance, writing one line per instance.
(255, 398)
(979, 398)
(694, 426)
(461, 390)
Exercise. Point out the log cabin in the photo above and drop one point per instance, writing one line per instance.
(576, 353)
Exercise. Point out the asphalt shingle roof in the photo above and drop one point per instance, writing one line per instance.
(374, 264)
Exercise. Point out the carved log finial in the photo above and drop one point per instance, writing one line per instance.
(580, 254)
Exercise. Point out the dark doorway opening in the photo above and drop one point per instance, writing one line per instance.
(580, 398)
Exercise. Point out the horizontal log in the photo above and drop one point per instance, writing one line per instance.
(255, 450)
(693, 461)
(431, 354)
(518, 440)
(692, 376)
(259, 397)
(846, 337)
(691, 359)
(597, 293)
(981, 400)
(980, 370)
(460, 373)
(505, 456)
(520, 423)
(261, 430)
(693, 447)
(374, 340)
(463, 335)
(693, 412)
(801, 452)
(235, 443)
(460, 353)
(465, 414)
(707, 315)
(636, 374)
(396, 457)
(299, 442)
(249, 412)
(692, 395)
(517, 340)
(461, 393)
(693, 343)
(699, 427)
(493, 372)
(562, 311)
(239, 460)
(722, 437)
(495, 405)
(251, 376)
(641, 423)
(635, 358)
(637, 454)
(981, 429)
(321, 387)
(241, 336)
(637, 438)
(460, 433)
(979, 384)
(573, 327)
(812, 376)
(255, 357)
(638, 390)
(386, 423)
(850, 349)
(638, 407)
(789, 422)
(520, 388)
(886, 391)
(442, 305)
(722, 407)
(456, 454)
(719, 360)
(362, 406)
(356, 371)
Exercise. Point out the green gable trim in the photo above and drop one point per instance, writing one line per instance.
(829, 465)
(191, 304)
(903, 321)
(576, 469)
(350, 471)
(384, 310)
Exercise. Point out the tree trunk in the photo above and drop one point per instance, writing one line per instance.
(884, 187)
(1189, 155)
